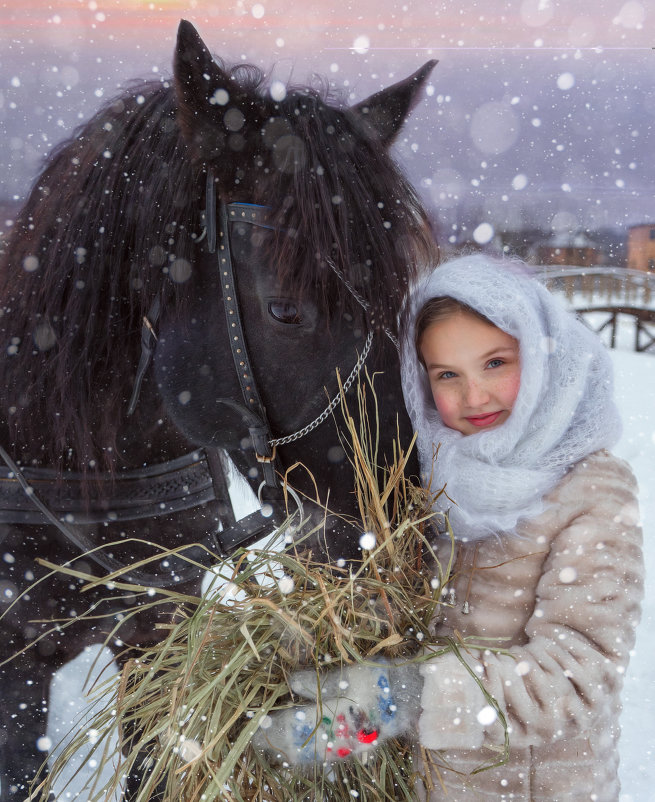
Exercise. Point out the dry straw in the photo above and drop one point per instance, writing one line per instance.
(183, 712)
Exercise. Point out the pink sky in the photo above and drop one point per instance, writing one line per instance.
(59, 59)
(293, 27)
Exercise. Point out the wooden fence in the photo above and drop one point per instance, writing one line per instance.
(614, 285)
(605, 296)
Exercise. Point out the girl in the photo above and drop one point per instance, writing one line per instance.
(517, 396)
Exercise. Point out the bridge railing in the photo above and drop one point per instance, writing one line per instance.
(607, 298)
(604, 286)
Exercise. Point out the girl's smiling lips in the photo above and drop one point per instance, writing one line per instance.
(484, 420)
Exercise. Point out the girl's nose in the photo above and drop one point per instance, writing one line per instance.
(475, 394)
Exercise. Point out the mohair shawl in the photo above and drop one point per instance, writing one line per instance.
(563, 412)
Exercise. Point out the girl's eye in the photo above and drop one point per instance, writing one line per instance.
(285, 312)
(447, 374)
(494, 363)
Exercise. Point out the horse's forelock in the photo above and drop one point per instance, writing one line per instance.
(337, 196)
(346, 209)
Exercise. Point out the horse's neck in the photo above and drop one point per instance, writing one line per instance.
(148, 437)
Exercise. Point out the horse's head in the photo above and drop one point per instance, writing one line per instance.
(324, 234)
(322, 259)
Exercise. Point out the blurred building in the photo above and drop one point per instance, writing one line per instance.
(641, 247)
(568, 248)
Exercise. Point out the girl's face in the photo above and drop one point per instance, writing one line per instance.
(474, 372)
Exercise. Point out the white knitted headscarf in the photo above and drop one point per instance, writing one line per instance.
(563, 412)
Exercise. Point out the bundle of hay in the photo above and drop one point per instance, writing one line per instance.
(186, 709)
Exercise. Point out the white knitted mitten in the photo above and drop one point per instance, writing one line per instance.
(356, 708)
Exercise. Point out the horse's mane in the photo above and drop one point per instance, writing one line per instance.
(119, 202)
(85, 259)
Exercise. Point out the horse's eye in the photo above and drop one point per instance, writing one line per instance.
(285, 312)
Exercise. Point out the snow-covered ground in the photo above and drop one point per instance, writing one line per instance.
(635, 385)
(635, 391)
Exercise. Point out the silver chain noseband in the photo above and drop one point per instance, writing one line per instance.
(291, 438)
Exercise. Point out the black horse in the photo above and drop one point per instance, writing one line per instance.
(125, 375)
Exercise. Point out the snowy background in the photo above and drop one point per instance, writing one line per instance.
(635, 377)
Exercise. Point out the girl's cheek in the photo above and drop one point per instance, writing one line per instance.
(513, 387)
(445, 405)
(506, 389)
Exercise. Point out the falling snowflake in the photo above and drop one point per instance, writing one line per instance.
(483, 233)
(367, 541)
(361, 45)
(487, 716)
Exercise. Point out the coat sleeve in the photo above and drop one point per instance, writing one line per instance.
(577, 641)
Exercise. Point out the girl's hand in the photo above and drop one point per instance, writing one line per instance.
(356, 708)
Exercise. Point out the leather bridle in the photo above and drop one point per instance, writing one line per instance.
(264, 444)
(39, 495)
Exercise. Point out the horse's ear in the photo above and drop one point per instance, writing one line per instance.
(387, 110)
(202, 87)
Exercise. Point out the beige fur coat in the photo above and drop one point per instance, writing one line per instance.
(565, 596)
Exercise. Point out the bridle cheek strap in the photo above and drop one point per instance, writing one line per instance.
(258, 428)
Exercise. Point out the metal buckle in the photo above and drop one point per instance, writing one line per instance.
(269, 459)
